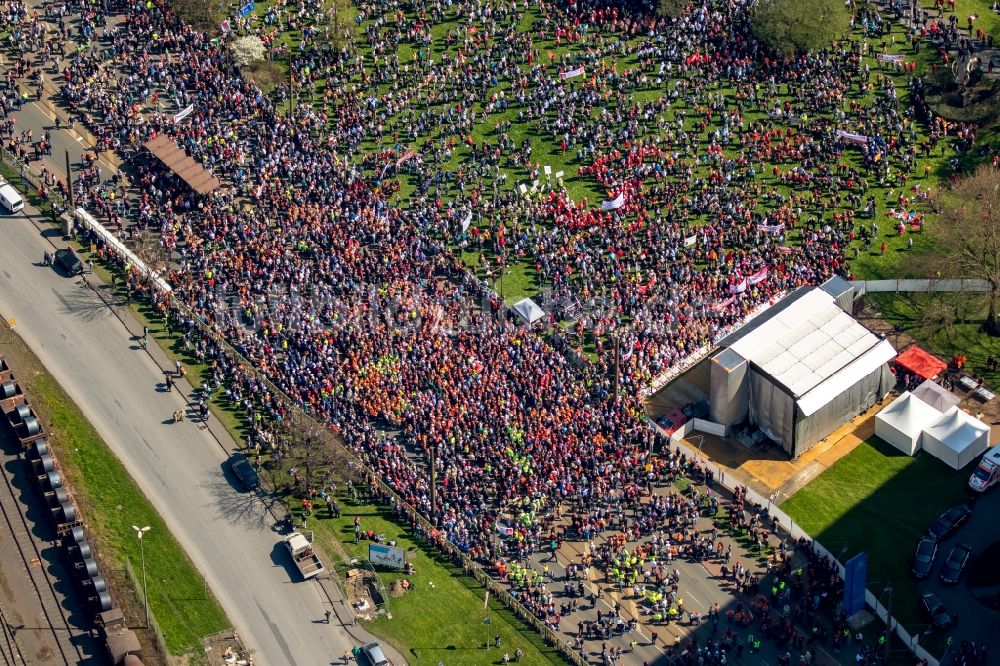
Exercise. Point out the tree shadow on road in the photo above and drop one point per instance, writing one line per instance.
(84, 303)
(253, 509)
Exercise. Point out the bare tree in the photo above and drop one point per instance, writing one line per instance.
(967, 235)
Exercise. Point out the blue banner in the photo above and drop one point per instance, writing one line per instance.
(247, 8)
(855, 581)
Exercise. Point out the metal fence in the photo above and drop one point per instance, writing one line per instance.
(153, 629)
(33, 181)
(298, 415)
(796, 532)
(920, 285)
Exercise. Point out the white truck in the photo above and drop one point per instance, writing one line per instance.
(305, 558)
(987, 473)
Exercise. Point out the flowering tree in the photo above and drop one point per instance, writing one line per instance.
(248, 50)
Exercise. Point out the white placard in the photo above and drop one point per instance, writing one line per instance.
(386, 556)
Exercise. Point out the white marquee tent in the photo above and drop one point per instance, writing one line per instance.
(936, 396)
(902, 423)
(528, 310)
(956, 438)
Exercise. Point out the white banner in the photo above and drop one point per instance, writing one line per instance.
(690, 240)
(739, 287)
(859, 139)
(571, 73)
(888, 57)
(772, 228)
(615, 203)
(467, 221)
(759, 276)
(184, 113)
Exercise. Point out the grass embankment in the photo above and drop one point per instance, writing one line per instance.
(442, 616)
(111, 502)
(879, 500)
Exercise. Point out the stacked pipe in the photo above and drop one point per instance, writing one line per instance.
(80, 556)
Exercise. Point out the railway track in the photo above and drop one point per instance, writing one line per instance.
(46, 607)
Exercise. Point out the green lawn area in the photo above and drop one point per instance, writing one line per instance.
(441, 617)
(878, 500)
(111, 503)
(945, 325)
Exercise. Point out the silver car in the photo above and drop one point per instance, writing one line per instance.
(373, 652)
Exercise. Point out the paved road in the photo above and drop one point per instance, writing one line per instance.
(40, 116)
(976, 622)
(227, 534)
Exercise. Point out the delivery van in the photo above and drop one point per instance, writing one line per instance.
(10, 200)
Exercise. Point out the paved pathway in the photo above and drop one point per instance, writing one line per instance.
(701, 586)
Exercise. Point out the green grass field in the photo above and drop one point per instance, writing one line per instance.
(945, 325)
(878, 500)
(441, 617)
(111, 502)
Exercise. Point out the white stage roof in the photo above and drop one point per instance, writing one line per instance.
(809, 342)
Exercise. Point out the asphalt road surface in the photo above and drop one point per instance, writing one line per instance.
(227, 534)
(976, 622)
(40, 116)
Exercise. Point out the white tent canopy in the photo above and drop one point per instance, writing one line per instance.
(902, 423)
(810, 368)
(956, 438)
(936, 396)
(528, 310)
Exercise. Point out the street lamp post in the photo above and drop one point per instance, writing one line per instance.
(139, 531)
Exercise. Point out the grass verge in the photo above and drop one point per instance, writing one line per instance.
(111, 502)
(442, 616)
(879, 500)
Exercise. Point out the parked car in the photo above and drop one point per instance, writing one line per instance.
(934, 608)
(244, 471)
(69, 261)
(955, 564)
(374, 655)
(949, 521)
(923, 559)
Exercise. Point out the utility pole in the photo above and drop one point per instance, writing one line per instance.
(69, 182)
(291, 78)
(617, 364)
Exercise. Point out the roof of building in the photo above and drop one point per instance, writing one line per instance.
(807, 341)
(187, 169)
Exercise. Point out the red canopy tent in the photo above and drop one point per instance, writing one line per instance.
(920, 362)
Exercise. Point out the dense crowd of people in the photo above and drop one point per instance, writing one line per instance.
(360, 307)
(335, 258)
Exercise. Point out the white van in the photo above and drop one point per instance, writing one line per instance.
(10, 200)
(987, 474)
